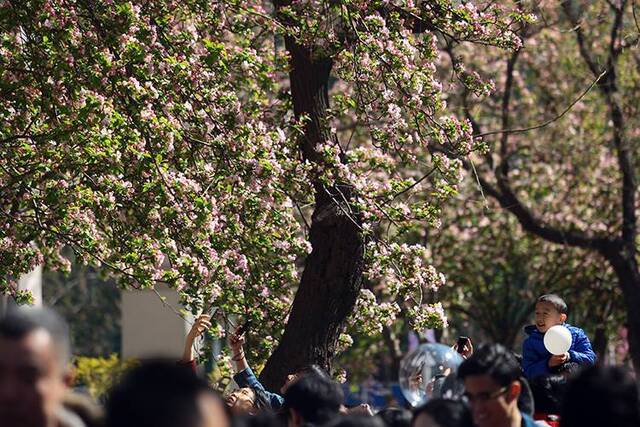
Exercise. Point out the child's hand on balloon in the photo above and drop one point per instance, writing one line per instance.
(557, 360)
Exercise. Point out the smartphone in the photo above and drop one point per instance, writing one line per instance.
(244, 327)
(462, 341)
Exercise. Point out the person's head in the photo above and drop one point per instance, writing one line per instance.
(261, 419)
(547, 393)
(442, 413)
(492, 385)
(241, 401)
(312, 399)
(164, 394)
(302, 371)
(355, 420)
(247, 401)
(34, 366)
(395, 417)
(551, 310)
(601, 396)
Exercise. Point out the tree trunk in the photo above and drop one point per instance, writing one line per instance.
(326, 296)
(395, 354)
(600, 343)
(332, 274)
(626, 268)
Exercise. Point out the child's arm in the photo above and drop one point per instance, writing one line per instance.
(532, 364)
(581, 351)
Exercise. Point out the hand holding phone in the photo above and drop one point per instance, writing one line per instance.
(236, 340)
(243, 328)
(461, 343)
(464, 346)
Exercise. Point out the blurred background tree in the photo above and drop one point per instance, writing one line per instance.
(91, 303)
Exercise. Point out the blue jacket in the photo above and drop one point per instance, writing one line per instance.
(247, 378)
(535, 357)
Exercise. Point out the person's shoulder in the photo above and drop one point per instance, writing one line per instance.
(527, 421)
(67, 418)
(532, 334)
(575, 330)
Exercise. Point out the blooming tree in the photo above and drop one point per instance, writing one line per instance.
(563, 125)
(495, 272)
(211, 145)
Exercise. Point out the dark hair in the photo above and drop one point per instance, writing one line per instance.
(445, 412)
(395, 417)
(493, 360)
(557, 302)
(17, 323)
(548, 391)
(157, 394)
(355, 420)
(601, 396)
(261, 419)
(315, 398)
(312, 369)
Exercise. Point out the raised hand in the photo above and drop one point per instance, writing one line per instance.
(202, 323)
(236, 341)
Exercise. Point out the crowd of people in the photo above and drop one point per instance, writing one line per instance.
(498, 388)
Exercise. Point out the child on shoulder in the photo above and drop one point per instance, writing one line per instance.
(551, 310)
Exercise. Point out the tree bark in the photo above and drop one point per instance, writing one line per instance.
(332, 274)
(395, 354)
(626, 268)
(326, 296)
(599, 343)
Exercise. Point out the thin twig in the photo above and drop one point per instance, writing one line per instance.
(548, 122)
(166, 304)
(477, 177)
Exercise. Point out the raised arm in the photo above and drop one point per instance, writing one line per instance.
(244, 376)
(236, 343)
(202, 323)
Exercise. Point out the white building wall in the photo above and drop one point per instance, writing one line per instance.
(33, 282)
(151, 328)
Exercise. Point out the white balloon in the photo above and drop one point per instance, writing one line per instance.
(557, 340)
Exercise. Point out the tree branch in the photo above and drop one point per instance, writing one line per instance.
(535, 225)
(508, 200)
(554, 119)
(506, 100)
(608, 88)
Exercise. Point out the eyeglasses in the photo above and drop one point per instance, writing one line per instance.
(484, 396)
